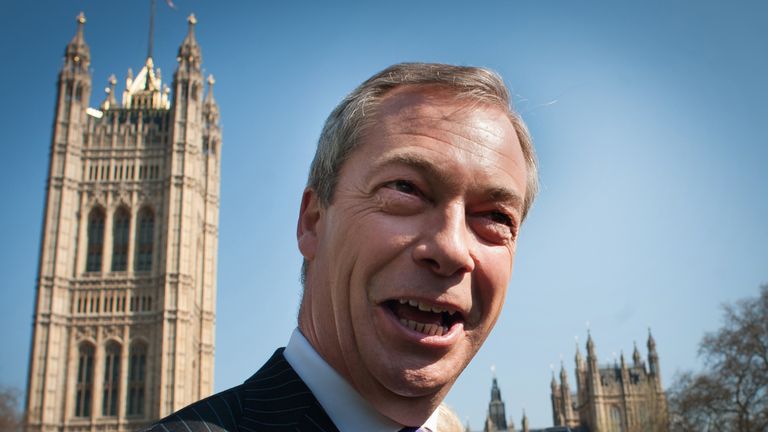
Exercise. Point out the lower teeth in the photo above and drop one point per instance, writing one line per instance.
(427, 329)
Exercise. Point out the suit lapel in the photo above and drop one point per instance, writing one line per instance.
(276, 399)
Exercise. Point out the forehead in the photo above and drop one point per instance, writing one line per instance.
(432, 127)
(442, 114)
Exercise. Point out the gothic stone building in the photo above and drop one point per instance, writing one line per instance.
(614, 398)
(496, 420)
(126, 290)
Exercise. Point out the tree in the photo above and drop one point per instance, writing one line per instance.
(10, 420)
(731, 394)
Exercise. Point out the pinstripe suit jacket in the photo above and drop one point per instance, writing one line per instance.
(273, 399)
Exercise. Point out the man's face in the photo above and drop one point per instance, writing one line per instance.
(409, 265)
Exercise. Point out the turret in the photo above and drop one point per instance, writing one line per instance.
(211, 110)
(636, 360)
(524, 422)
(188, 92)
(109, 94)
(497, 416)
(593, 372)
(567, 400)
(190, 57)
(591, 356)
(77, 57)
(653, 357)
(579, 359)
(74, 86)
(653, 360)
(553, 384)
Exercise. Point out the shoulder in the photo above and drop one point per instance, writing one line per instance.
(273, 399)
(220, 412)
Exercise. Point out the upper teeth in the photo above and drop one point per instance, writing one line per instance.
(425, 307)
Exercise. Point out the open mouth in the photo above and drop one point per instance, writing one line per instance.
(428, 320)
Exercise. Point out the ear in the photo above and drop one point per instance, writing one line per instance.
(309, 216)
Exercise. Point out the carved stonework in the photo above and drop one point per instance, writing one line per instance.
(116, 273)
(85, 333)
(112, 332)
(122, 197)
(97, 197)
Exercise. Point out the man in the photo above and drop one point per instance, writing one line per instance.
(408, 228)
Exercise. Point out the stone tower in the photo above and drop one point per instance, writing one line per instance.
(497, 416)
(612, 398)
(124, 318)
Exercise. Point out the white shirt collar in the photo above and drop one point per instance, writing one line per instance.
(346, 408)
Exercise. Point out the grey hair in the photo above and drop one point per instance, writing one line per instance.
(348, 121)
(346, 124)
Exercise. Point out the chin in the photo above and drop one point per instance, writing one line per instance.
(420, 380)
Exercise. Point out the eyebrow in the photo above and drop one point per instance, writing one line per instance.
(418, 162)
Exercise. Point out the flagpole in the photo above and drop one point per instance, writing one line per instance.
(151, 28)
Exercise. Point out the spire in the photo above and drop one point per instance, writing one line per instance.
(497, 416)
(209, 100)
(495, 392)
(110, 100)
(77, 55)
(553, 383)
(636, 356)
(623, 363)
(563, 375)
(189, 51)
(524, 422)
(590, 346)
(653, 358)
(579, 359)
(210, 108)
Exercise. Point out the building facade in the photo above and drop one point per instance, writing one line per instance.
(123, 329)
(612, 398)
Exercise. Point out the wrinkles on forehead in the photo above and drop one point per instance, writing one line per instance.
(412, 110)
(418, 162)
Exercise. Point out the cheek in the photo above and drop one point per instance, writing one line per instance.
(492, 280)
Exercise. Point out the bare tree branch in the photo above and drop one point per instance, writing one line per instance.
(731, 394)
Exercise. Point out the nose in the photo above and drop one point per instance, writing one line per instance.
(444, 246)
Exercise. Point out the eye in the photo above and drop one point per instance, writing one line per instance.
(402, 197)
(495, 226)
(404, 186)
(501, 218)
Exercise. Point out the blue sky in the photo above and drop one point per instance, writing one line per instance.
(648, 120)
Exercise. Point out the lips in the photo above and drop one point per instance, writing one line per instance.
(427, 319)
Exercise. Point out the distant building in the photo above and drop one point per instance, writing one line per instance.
(126, 291)
(614, 398)
(496, 420)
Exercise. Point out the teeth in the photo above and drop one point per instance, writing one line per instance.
(425, 307)
(427, 329)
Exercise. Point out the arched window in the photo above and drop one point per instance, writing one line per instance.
(144, 239)
(95, 240)
(111, 379)
(120, 239)
(84, 386)
(137, 367)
